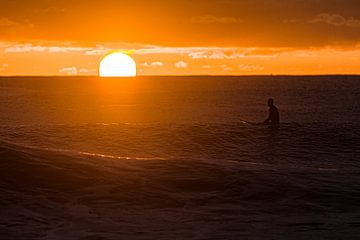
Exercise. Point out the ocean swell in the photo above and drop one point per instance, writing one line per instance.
(212, 181)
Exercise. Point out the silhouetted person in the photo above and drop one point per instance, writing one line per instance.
(274, 118)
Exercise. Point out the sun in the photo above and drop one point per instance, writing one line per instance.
(117, 65)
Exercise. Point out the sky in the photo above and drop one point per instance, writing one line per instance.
(181, 37)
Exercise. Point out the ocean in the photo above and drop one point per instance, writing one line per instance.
(86, 158)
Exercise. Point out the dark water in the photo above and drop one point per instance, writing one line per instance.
(169, 158)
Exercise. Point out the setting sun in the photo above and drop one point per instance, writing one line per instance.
(117, 65)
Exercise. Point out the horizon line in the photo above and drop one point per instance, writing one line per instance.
(190, 75)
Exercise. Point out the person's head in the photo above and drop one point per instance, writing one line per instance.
(270, 102)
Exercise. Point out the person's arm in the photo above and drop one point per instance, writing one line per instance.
(268, 119)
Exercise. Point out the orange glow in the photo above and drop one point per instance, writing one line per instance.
(180, 37)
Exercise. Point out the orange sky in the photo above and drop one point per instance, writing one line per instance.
(181, 37)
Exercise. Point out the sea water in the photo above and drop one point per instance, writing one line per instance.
(172, 158)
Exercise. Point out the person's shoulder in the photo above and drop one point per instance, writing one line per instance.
(275, 108)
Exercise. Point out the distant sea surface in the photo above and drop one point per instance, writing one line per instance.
(171, 158)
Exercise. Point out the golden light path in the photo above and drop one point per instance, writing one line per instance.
(117, 65)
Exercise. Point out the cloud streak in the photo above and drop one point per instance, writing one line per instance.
(336, 20)
(250, 68)
(5, 22)
(66, 58)
(70, 71)
(208, 19)
(153, 64)
(28, 47)
(3, 66)
(181, 64)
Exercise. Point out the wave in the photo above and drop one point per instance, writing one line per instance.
(210, 176)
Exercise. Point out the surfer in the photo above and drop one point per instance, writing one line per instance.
(274, 119)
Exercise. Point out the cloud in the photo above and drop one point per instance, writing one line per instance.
(181, 64)
(206, 66)
(28, 47)
(292, 21)
(250, 68)
(235, 53)
(226, 68)
(84, 70)
(3, 66)
(5, 22)
(157, 64)
(49, 10)
(153, 64)
(69, 71)
(65, 49)
(161, 50)
(207, 19)
(335, 20)
(24, 48)
(87, 71)
(238, 23)
(225, 53)
(98, 50)
(212, 53)
(8, 23)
